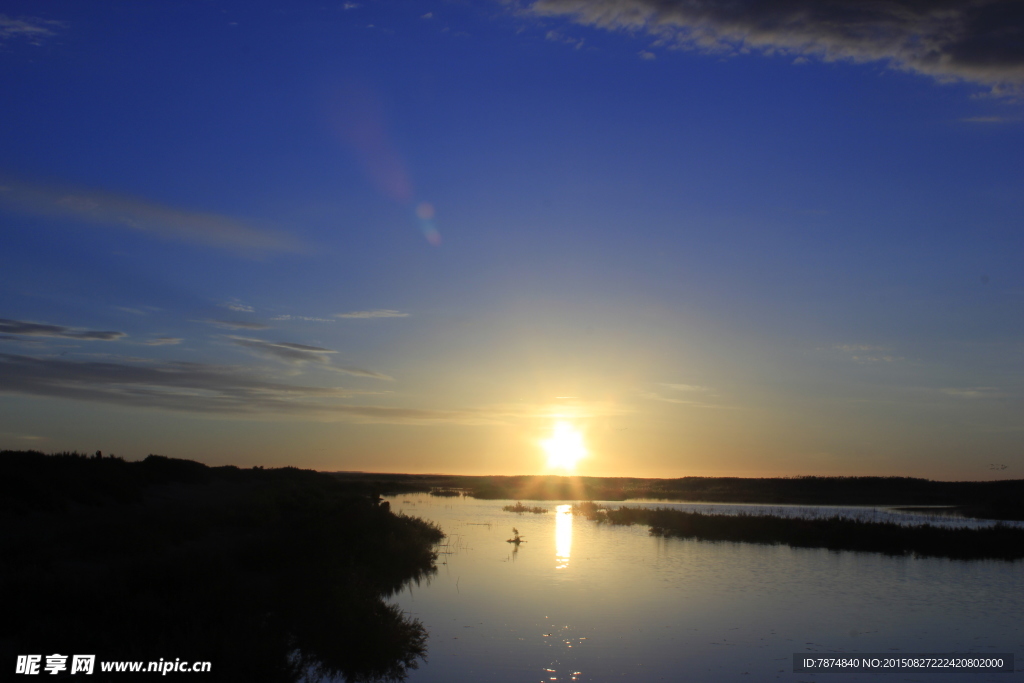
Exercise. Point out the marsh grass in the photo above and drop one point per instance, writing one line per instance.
(446, 493)
(834, 533)
(520, 508)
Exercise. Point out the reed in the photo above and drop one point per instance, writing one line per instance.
(999, 541)
(520, 508)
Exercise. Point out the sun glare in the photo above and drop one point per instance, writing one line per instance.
(565, 447)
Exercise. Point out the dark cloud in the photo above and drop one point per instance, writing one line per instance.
(980, 41)
(194, 387)
(30, 329)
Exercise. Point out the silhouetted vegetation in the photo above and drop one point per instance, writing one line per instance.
(981, 499)
(520, 508)
(271, 575)
(835, 533)
(446, 493)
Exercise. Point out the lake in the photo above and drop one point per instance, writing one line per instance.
(581, 601)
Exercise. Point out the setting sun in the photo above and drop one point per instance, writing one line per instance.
(565, 447)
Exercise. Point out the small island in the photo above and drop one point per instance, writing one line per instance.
(519, 508)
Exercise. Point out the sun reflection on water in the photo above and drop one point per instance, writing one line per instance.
(563, 535)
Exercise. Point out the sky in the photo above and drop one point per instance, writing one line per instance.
(686, 238)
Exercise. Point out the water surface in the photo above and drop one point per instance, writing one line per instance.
(589, 602)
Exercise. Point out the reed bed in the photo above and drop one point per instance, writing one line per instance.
(520, 508)
(999, 542)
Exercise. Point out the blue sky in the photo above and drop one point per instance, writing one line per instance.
(745, 239)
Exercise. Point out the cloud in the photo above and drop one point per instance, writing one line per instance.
(300, 354)
(304, 318)
(684, 387)
(236, 305)
(557, 37)
(867, 353)
(134, 213)
(204, 389)
(237, 324)
(990, 119)
(21, 340)
(974, 392)
(30, 329)
(163, 341)
(978, 41)
(378, 313)
(360, 372)
(697, 396)
(32, 29)
(654, 396)
(286, 351)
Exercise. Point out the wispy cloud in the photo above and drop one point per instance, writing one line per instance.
(204, 389)
(693, 395)
(32, 29)
(285, 351)
(303, 318)
(238, 306)
(22, 340)
(163, 341)
(300, 354)
(359, 372)
(559, 37)
(971, 40)
(135, 213)
(31, 329)
(867, 353)
(973, 392)
(377, 313)
(23, 437)
(693, 403)
(684, 387)
(990, 119)
(237, 324)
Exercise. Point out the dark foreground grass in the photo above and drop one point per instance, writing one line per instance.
(999, 542)
(271, 575)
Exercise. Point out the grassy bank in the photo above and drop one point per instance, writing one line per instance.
(268, 574)
(997, 542)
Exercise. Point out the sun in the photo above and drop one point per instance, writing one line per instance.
(565, 447)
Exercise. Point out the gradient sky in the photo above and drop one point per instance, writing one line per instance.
(747, 239)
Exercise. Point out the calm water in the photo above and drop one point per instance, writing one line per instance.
(587, 602)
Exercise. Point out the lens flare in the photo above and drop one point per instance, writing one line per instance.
(425, 212)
